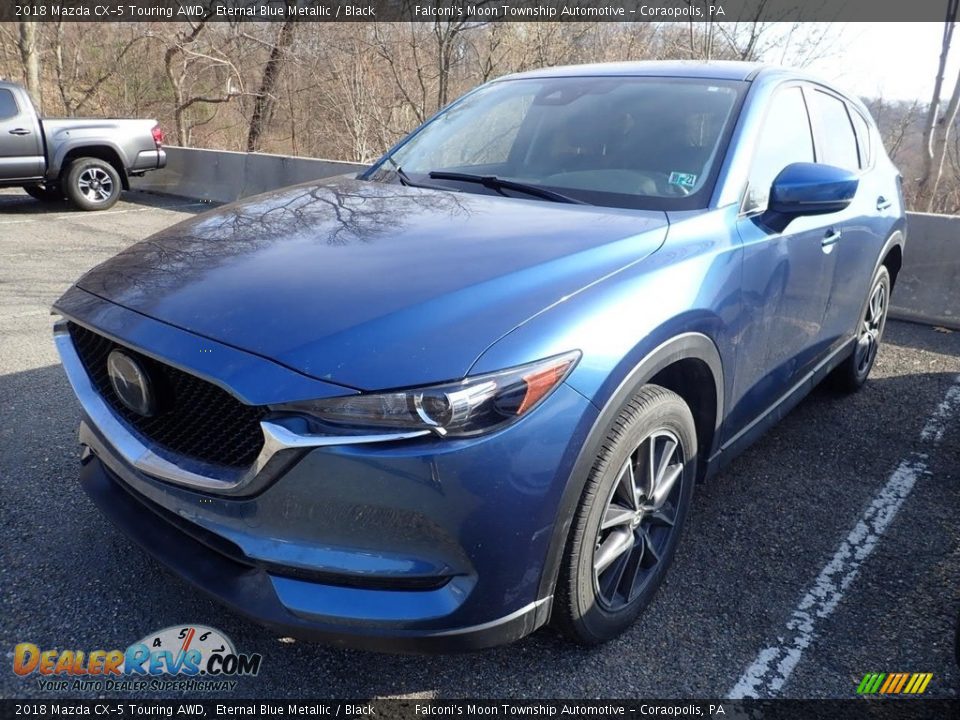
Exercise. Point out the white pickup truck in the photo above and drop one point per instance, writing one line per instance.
(87, 161)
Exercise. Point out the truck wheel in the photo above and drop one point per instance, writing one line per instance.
(92, 184)
(626, 528)
(45, 193)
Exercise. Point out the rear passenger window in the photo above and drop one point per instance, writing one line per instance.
(837, 144)
(863, 137)
(8, 106)
(784, 139)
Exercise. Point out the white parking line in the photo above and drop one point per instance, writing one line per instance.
(771, 669)
(937, 423)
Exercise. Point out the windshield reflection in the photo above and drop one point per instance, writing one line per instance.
(615, 141)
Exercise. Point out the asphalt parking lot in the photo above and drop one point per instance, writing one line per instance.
(829, 550)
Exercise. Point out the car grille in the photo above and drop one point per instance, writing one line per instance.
(196, 419)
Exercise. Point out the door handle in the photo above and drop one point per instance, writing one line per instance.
(831, 238)
(883, 203)
(19, 131)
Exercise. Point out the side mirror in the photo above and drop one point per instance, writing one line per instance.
(808, 189)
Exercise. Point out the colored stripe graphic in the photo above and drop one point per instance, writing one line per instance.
(891, 680)
(894, 683)
(901, 683)
(870, 683)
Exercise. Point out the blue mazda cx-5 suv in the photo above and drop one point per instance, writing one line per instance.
(470, 391)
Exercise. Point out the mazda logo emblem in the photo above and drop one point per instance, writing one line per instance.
(130, 382)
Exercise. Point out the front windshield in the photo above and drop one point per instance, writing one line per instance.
(614, 141)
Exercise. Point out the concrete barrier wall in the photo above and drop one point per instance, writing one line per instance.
(224, 176)
(928, 287)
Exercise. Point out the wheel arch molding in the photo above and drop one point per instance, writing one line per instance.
(687, 347)
(891, 254)
(101, 150)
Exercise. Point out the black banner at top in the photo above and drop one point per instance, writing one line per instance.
(466, 11)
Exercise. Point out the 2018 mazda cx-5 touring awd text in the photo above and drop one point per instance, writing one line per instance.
(471, 390)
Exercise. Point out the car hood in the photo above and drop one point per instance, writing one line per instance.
(372, 285)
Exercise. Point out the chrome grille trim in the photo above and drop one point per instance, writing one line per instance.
(281, 446)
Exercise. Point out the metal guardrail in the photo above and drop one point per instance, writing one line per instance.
(928, 287)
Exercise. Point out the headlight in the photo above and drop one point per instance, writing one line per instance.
(472, 406)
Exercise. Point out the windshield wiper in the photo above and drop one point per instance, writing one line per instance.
(404, 178)
(495, 183)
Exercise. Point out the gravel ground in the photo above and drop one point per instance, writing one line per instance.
(757, 538)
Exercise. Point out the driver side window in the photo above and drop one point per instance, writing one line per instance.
(784, 139)
(8, 105)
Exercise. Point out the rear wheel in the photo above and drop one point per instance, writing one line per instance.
(92, 184)
(853, 372)
(631, 513)
(46, 192)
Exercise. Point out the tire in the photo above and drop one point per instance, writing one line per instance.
(45, 193)
(598, 598)
(851, 375)
(92, 184)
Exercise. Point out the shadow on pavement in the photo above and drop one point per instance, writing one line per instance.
(16, 202)
(940, 340)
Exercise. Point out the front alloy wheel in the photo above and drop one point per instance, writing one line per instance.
(640, 516)
(626, 528)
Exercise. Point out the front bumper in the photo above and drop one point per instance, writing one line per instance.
(250, 590)
(416, 544)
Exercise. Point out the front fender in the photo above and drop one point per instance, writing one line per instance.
(680, 347)
(681, 302)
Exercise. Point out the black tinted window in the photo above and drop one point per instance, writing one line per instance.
(863, 137)
(784, 139)
(837, 143)
(8, 106)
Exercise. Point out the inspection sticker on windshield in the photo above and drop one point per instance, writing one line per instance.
(683, 179)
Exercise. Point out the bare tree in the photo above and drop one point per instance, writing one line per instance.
(895, 121)
(398, 52)
(432, 52)
(265, 98)
(74, 95)
(350, 90)
(937, 127)
(30, 58)
(446, 34)
(488, 49)
(183, 62)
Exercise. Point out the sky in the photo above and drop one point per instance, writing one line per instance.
(895, 60)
